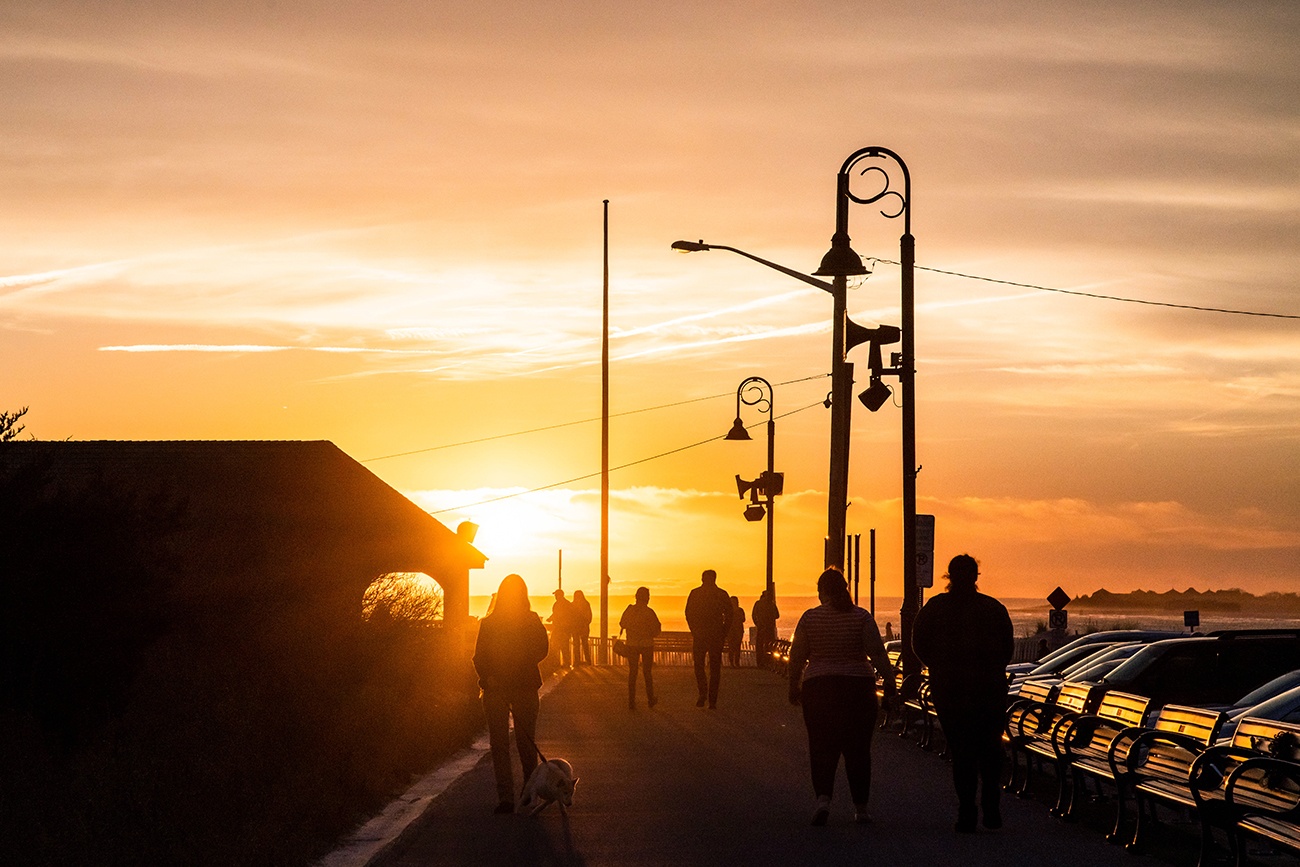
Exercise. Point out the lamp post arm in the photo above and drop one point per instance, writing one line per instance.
(798, 275)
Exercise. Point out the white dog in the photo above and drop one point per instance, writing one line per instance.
(549, 782)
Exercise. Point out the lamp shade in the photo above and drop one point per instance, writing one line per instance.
(738, 431)
(875, 395)
(841, 260)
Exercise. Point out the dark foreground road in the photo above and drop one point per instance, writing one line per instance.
(680, 786)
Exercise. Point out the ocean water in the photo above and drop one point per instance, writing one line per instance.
(1026, 614)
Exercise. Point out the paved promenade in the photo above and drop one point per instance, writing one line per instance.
(679, 785)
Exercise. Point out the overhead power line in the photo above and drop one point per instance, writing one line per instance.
(571, 423)
(1096, 294)
(619, 467)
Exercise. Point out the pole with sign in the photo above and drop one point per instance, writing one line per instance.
(925, 550)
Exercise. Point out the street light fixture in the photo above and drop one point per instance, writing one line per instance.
(905, 361)
(840, 263)
(757, 392)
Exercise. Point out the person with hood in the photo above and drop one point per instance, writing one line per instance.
(511, 643)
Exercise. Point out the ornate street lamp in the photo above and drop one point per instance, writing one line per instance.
(757, 392)
(839, 265)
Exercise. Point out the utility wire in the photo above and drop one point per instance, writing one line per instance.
(571, 423)
(1097, 295)
(620, 466)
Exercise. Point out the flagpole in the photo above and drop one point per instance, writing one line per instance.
(604, 451)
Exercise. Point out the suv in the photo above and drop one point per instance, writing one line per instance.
(1211, 670)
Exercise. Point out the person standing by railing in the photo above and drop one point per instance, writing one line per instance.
(765, 615)
(831, 675)
(581, 629)
(641, 624)
(735, 632)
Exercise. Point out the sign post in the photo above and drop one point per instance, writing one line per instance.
(925, 550)
(1057, 618)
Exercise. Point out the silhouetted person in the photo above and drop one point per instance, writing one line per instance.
(561, 621)
(832, 676)
(708, 609)
(511, 642)
(765, 616)
(967, 640)
(735, 632)
(889, 631)
(642, 625)
(581, 629)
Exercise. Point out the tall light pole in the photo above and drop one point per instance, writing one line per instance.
(757, 392)
(837, 263)
(845, 335)
(840, 263)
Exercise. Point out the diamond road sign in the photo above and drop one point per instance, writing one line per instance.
(1058, 599)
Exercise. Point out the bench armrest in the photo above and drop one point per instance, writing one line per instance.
(1209, 772)
(1275, 771)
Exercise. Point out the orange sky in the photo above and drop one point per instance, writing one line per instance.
(379, 224)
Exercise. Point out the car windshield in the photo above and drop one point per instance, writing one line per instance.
(1052, 667)
(1114, 654)
(1274, 708)
(1272, 688)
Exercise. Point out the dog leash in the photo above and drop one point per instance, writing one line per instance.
(527, 737)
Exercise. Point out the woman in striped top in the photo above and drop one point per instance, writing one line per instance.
(832, 676)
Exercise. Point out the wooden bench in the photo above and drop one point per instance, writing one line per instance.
(673, 648)
(1040, 744)
(781, 656)
(1033, 700)
(1255, 792)
(1159, 759)
(887, 712)
(1262, 798)
(1203, 787)
(1084, 744)
(920, 708)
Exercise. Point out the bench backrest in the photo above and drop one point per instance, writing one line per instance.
(1194, 722)
(1035, 690)
(1259, 735)
(1075, 697)
(1124, 708)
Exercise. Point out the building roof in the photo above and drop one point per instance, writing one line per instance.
(259, 509)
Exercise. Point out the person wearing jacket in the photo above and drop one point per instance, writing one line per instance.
(966, 639)
(511, 643)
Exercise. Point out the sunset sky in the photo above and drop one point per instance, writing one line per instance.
(379, 223)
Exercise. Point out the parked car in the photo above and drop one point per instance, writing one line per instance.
(1091, 669)
(1279, 699)
(1209, 670)
(1019, 670)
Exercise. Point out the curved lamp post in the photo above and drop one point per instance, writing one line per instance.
(839, 264)
(757, 392)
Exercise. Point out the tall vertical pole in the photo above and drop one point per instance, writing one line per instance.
(872, 554)
(841, 391)
(604, 449)
(559, 571)
(907, 382)
(857, 568)
(771, 500)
